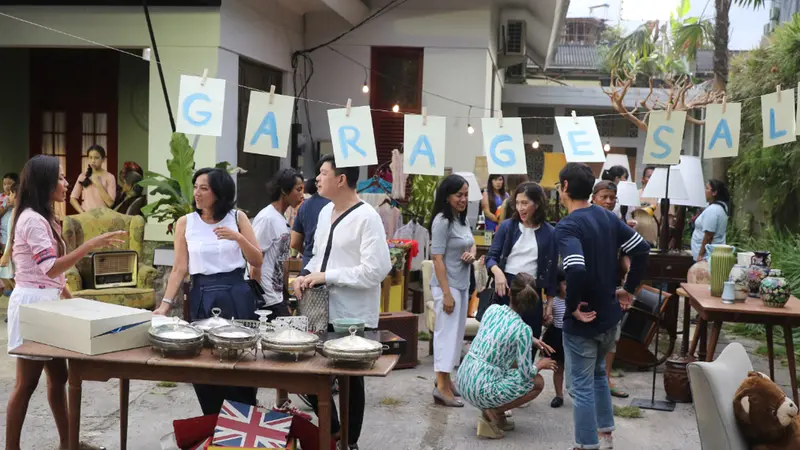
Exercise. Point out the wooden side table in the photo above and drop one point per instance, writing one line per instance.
(712, 310)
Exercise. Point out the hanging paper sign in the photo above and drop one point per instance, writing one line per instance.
(352, 137)
(691, 170)
(580, 139)
(722, 130)
(424, 145)
(200, 106)
(269, 124)
(778, 118)
(503, 145)
(664, 138)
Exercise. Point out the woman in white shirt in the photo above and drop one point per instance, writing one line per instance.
(212, 244)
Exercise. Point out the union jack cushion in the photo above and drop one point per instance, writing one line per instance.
(246, 426)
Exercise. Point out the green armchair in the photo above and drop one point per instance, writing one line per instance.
(81, 227)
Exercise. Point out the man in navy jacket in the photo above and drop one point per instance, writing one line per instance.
(589, 240)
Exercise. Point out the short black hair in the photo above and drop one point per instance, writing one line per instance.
(132, 179)
(448, 186)
(98, 149)
(614, 172)
(12, 176)
(351, 173)
(579, 179)
(283, 183)
(224, 190)
(535, 194)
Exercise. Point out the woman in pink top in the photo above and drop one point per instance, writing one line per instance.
(40, 260)
(96, 187)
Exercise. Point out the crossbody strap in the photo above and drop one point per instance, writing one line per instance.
(330, 235)
(246, 265)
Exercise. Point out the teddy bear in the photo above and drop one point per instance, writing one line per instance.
(767, 418)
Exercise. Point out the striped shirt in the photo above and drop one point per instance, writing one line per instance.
(559, 309)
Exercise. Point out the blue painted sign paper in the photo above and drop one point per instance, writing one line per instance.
(580, 139)
(504, 146)
(424, 145)
(722, 131)
(778, 118)
(200, 106)
(352, 137)
(269, 126)
(664, 138)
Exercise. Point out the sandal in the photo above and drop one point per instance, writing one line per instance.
(619, 393)
(557, 402)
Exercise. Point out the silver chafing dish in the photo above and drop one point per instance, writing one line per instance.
(210, 323)
(231, 341)
(289, 341)
(353, 349)
(176, 339)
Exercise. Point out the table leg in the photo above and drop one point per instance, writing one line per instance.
(74, 404)
(712, 341)
(344, 407)
(696, 336)
(324, 405)
(787, 334)
(687, 311)
(770, 352)
(703, 327)
(124, 398)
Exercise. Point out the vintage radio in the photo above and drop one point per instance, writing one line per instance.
(110, 269)
(405, 325)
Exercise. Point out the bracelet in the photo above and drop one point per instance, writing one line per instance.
(167, 301)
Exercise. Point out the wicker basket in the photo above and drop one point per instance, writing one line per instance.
(314, 305)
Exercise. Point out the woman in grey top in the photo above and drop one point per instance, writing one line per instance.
(452, 251)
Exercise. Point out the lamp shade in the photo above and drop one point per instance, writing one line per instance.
(474, 188)
(692, 173)
(628, 194)
(657, 186)
(553, 163)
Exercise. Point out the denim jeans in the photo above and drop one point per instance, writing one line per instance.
(592, 411)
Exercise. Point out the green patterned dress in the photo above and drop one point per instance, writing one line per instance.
(485, 377)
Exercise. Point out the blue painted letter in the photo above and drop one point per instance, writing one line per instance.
(573, 142)
(773, 133)
(660, 142)
(510, 158)
(423, 147)
(187, 104)
(351, 141)
(267, 127)
(722, 131)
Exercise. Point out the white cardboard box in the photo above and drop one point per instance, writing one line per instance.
(85, 326)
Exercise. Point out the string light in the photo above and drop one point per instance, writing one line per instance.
(607, 147)
(536, 143)
(365, 88)
(396, 108)
(470, 130)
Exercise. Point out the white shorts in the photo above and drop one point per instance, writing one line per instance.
(25, 296)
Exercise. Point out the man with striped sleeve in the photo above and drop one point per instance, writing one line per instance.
(589, 239)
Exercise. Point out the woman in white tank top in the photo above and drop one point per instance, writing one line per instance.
(213, 244)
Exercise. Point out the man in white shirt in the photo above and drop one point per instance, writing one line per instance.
(356, 264)
(273, 232)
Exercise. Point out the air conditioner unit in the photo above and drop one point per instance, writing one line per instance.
(516, 73)
(512, 41)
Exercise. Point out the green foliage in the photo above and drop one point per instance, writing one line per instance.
(693, 34)
(770, 171)
(176, 190)
(611, 34)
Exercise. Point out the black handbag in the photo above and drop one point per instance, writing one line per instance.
(255, 286)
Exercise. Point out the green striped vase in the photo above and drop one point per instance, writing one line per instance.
(722, 261)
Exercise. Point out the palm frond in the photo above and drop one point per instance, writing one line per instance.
(692, 35)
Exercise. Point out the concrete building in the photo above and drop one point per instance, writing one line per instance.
(81, 73)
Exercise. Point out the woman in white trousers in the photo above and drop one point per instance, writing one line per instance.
(452, 251)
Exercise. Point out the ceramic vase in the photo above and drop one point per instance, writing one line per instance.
(738, 276)
(744, 258)
(758, 270)
(722, 261)
(775, 290)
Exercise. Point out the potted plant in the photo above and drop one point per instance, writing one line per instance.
(176, 190)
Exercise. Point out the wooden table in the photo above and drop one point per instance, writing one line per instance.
(310, 375)
(712, 310)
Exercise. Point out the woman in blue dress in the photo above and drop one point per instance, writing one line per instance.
(493, 197)
(487, 378)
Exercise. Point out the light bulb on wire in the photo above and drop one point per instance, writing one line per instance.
(536, 143)
(607, 147)
(396, 108)
(470, 130)
(365, 88)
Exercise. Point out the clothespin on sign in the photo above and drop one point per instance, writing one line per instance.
(272, 94)
(574, 116)
(500, 118)
(424, 116)
(669, 111)
(349, 104)
(205, 76)
(778, 88)
(724, 103)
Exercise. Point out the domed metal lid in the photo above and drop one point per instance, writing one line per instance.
(212, 322)
(232, 332)
(291, 336)
(353, 343)
(176, 332)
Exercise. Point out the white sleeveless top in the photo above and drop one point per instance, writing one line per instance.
(209, 255)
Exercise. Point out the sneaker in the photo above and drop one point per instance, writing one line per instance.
(508, 414)
(606, 442)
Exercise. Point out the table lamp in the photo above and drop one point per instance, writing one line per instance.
(474, 188)
(665, 184)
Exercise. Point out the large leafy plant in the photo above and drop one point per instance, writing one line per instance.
(176, 190)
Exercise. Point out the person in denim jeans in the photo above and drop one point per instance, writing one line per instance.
(589, 239)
